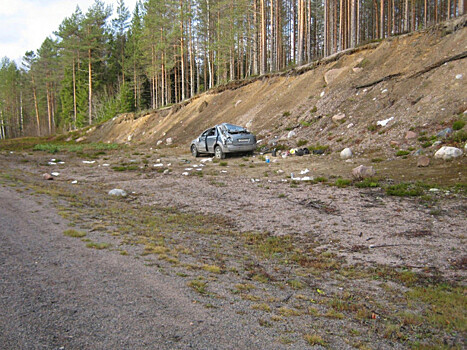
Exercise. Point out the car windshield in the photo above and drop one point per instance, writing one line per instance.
(234, 129)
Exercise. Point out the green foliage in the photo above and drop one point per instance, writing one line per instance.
(405, 190)
(458, 124)
(301, 143)
(401, 153)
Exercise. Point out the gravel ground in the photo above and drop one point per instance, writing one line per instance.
(57, 294)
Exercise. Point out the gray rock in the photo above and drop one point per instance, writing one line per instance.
(444, 133)
(169, 141)
(362, 172)
(448, 153)
(418, 152)
(423, 161)
(346, 153)
(117, 192)
(437, 143)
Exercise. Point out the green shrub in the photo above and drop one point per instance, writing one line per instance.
(404, 190)
(458, 124)
(301, 143)
(401, 153)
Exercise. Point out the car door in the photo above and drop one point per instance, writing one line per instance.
(202, 145)
(211, 140)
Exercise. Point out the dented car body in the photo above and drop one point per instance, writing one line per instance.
(223, 138)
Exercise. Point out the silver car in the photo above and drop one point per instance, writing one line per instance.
(222, 139)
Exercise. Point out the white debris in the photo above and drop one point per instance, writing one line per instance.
(89, 161)
(384, 122)
(52, 163)
(291, 134)
(188, 169)
(117, 192)
(303, 172)
(105, 164)
(384, 91)
(129, 137)
(206, 160)
(53, 160)
(185, 174)
(158, 165)
(459, 76)
(346, 153)
(61, 162)
(54, 174)
(74, 181)
(199, 169)
(322, 94)
(350, 125)
(223, 171)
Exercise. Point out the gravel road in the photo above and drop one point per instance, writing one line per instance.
(57, 294)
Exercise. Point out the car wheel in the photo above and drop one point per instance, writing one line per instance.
(194, 151)
(219, 153)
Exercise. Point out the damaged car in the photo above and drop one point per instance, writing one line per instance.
(222, 139)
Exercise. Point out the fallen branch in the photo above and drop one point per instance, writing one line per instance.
(391, 245)
(439, 64)
(388, 77)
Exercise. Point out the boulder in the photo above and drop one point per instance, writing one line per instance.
(444, 133)
(362, 172)
(332, 74)
(346, 153)
(338, 118)
(448, 153)
(117, 192)
(410, 135)
(423, 161)
(202, 106)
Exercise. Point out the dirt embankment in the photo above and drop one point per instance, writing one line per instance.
(418, 80)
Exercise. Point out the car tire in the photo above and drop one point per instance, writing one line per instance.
(219, 153)
(194, 151)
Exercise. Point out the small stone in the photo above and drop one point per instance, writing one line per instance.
(338, 118)
(459, 76)
(117, 192)
(448, 153)
(362, 172)
(423, 161)
(346, 153)
(410, 135)
(159, 143)
(168, 141)
(394, 143)
(47, 176)
(291, 134)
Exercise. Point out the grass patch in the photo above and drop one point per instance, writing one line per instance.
(404, 190)
(458, 124)
(198, 285)
(342, 183)
(98, 246)
(301, 143)
(125, 168)
(402, 153)
(314, 339)
(367, 183)
(269, 246)
(262, 306)
(223, 163)
(74, 233)
(212, 268)
(445, 306)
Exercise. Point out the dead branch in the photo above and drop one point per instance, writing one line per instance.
(388, 77)
(439, 64)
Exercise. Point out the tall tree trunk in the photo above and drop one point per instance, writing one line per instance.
(406, 16)
(353, 25)
(90, 87)
(75, 109)
(255, 38)
(182, 54)
(36, 107)
(381, 18)
(263, 49)
(461, 7)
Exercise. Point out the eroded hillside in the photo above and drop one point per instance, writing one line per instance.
(417, 80)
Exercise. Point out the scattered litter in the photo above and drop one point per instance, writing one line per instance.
(61, 162)
(74, 181)
(89, 161)
(384, 91)
(374, 98)
(158, 165)
(52, 163)
(284, 180)
(280, 171)
(303, 172)
(223, 171)
(169, 164)
(54, 174)
(259, 141)
(158, 160)
(320, 291)
(105, 164)
(322, 94)
(268, 160)
(199, 169)
(384, 122)
(185, 174)
(166, 171)
(459, 76)
(188, 169)
(117, 192)
(433, 189)
(350, 125)
(53, 160)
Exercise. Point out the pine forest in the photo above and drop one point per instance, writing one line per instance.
(106, 61)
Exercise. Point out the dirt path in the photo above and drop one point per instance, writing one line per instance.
(56, 293)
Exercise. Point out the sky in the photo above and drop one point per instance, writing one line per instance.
(25, 24)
